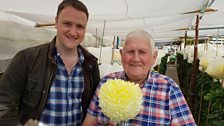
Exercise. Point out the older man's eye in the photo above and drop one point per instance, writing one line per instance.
(130, 52)
(143, 53)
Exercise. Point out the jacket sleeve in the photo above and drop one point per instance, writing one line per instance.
(11, 90)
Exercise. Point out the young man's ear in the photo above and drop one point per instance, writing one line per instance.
(56, 19)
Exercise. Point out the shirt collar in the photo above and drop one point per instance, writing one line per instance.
(58, 59)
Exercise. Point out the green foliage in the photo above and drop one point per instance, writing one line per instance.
(216, 96)
(216, 123)
(208, 108)
(203, 85)
(184, 70)
(155, 68)
(163, 64)
(172, 59)
(216, 118)
(190, 41)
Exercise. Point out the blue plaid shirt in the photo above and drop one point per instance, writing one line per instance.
(63, 107)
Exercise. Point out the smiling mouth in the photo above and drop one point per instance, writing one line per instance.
(72, 38)
(135, 65)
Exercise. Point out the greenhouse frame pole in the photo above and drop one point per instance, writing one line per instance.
(185, 39)
(194, 67)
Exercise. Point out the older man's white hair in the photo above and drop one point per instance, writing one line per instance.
(142, 33)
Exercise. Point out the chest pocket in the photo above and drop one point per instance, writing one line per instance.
(33, 93)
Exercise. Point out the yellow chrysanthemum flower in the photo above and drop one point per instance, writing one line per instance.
(120, 100)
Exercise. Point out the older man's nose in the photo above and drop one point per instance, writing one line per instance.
(136, 56)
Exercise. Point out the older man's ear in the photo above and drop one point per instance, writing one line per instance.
(121, 51)
(155, 53)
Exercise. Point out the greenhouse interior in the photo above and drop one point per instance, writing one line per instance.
(188, 34)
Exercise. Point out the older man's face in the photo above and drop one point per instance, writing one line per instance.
(137, 58)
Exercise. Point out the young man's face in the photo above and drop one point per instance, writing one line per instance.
(137, 58)
(71, 26)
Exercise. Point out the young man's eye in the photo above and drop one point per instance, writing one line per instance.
(80, 27)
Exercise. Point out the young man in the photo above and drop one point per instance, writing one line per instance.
(52, 83)
(163, 101)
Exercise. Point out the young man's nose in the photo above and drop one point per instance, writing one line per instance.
(73, 31)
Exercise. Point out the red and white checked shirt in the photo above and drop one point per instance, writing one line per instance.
(163, 103)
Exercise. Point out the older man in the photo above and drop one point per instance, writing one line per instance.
(163, 101)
